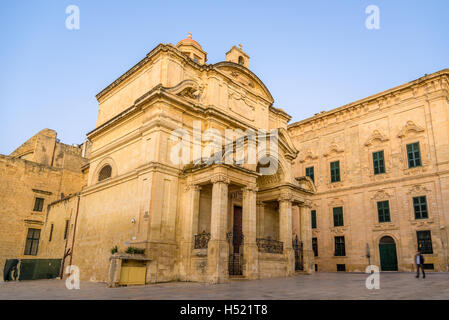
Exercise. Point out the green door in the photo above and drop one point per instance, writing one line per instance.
(388, 258)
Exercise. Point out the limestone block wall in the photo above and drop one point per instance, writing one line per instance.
(414, 112)
(55, 239)
(271, 265)
(21, 182)
(105, 221)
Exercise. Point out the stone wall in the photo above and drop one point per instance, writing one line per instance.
(21, 182)
(414, 112)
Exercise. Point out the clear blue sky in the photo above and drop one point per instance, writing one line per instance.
(312, 55)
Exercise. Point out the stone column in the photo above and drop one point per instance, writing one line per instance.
(285, 231)
(249, 229)
(218, 247)
(260, 219)
(190, 228)
(306, 238)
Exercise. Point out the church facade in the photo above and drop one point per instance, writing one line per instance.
(194, 221)
(194, 175)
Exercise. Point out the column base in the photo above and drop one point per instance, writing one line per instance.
(309, 262)
(184, 260)
(217, 261)
(289, 255)
(251, 262)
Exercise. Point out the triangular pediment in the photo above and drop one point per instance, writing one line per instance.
(376, 136)
(410, 127)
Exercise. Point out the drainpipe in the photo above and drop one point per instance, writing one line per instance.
(74, 228)
(69, 252)
(64, 255)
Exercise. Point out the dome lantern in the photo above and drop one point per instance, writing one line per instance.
(192, 49)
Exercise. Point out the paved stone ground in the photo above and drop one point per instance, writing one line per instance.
(318, 286)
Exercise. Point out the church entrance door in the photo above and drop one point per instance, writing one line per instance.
(236, 252)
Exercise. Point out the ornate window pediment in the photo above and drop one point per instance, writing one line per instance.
(333, 148)
(410, 127)
(417, 190)
(336, 202)
(376, 135)
(308, 155)
(381, 195)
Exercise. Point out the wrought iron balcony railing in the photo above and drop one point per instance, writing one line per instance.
(202, 240)
(269, 245)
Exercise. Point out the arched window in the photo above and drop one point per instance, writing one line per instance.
(241, 61)
(105, 173)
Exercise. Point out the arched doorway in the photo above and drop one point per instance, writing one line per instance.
(388, 257)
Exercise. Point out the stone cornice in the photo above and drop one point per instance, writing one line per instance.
(382, 183)
(159, 48)
(204, 67)
(164, 93)
(287, 185)
(281, 113)
(132, 174)
(428, 81)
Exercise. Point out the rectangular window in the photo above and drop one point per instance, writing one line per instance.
(383, 211)
(313, 218)
(32, 242)
(420, 207)
(378, 162)
(310, 173)
(315, 246)
(38, 204)
(335, 171)
(428, 266)
(413, 155)
(66, 230)
(340, 246)
(341, 267)
(424, 242)
(51, 233)
(316, 267)
(338, 216)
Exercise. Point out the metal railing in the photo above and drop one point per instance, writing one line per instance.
(202, 240)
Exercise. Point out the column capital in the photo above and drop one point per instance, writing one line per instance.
(285, 196)
(193, 187)
(220, 178)
(250, 188)
(260, 203)
(307, 204)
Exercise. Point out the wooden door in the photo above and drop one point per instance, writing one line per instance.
(237, 230)
(235, 254)
(388, 257)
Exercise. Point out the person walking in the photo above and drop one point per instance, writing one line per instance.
(419, 260)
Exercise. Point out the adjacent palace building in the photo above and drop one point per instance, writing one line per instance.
(364, 184)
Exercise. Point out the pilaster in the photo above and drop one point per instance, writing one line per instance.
(285, 231)
(218, 248)
(249, 228)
